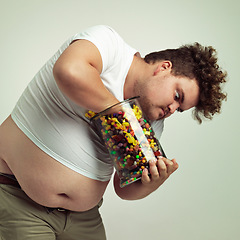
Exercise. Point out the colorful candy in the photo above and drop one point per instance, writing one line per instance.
(129, 139)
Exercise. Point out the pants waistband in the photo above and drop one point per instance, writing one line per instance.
(9, 179)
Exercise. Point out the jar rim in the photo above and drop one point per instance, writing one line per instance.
(126, 100)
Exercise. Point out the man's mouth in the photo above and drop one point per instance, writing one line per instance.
(164, 113)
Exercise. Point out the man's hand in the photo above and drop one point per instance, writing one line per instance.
(160, 170)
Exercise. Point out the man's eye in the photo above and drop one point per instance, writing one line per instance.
(177, 96)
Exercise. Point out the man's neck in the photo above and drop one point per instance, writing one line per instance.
(139, 70)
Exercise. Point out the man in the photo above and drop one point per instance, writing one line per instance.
(54, 168)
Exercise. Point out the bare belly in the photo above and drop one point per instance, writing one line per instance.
(45, 180)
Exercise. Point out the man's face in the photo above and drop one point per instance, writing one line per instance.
(162, 94)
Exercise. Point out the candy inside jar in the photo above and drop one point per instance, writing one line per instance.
(129, 137)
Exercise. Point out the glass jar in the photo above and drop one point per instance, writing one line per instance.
(129, 138)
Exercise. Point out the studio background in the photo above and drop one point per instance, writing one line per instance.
(200, 200)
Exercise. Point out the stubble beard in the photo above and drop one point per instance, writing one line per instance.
(143, 100)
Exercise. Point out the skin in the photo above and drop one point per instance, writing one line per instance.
(77, 73)
(161, 93)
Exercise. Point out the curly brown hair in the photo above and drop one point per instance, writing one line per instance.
(197, 62)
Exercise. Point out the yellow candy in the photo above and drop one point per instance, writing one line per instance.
(137, 112)
(90, 114)
(130, 138)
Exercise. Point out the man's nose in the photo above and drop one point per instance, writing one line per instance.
(173, 107)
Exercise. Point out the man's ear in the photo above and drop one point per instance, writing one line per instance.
(163, 66)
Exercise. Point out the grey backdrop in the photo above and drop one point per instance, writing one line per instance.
(201, 200)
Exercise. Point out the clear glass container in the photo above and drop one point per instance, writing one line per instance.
(129, 138)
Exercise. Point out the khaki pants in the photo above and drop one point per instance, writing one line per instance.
(23, 219)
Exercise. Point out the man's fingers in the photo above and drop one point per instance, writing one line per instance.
(159, 170)
(145, 177)
(153, 170)
(171, 165)
(162, 168)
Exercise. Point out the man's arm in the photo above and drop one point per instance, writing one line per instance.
(159, 170)
(77, 73)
